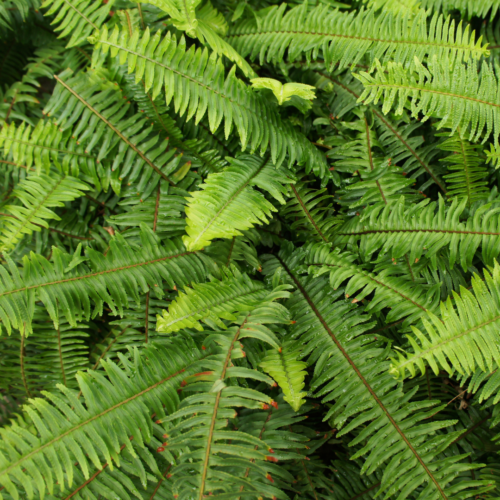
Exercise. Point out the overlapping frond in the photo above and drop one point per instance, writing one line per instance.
(462, 337)
(469, 8)
(425, 228)
(408, 299)
(68, 429)
(468, 171)
(218, 457)
(344, 38)
(198, 86)
(77, 286)
(77, 19)
(351, 372)
(228, 203)
(462, 99)
(38, 194)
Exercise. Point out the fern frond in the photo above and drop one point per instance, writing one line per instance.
(457, 340)
(77, 19)
(469, 173)
(345, 38)
(396, 6)
(284, 366)
(407, 299)
(67, 429)
(196, 83)
(209, 302)
(67, 284)
(351, 372)
(20, 6)
(227, 202)
(103, 118)
(463, 100)
(468, 8)
(309, 211)
(218, 457)
(37, 195)
(399, 229)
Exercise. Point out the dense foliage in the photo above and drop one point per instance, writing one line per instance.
(249, 249)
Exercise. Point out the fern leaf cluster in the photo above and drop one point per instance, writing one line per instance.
(249, 250)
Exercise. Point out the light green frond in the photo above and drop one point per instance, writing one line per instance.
(284, 366)
(469, 8)
(196, 82)
(228, 202)
(463, 337)
(396, 6)
(344, 38)
(440, 91)
(284, 92)
(37, 194)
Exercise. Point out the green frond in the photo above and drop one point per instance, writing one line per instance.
(43, 146)
(46, 358)
(196, 82)
(468, 171)
(38, 194)
(468, 8)
(209, 303)
(396, 6)
(77, 19)
(344, 38)
(349, 483)
(457, 340)
(68, 429)
(284, 366)
(100, 117)
(310, 212)
(351, 372)
(72, 285)
(19, 6)
(462, 99)
(227, 202)
(407, 299)
(493, 155)
(218, 457)
(423, 229)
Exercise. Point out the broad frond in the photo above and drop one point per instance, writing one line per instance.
(38, 194)
(345, 38)
(463, 337)
(351, 371)
(72, 284)
(462, 99)
(69, 429)
(289, 372)
(195, 81)
(228, 203)
(423, 229)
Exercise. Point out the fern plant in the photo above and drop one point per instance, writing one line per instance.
(249, 250)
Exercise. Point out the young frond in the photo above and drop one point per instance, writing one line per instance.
(351, 372)
(68, 428)
(462, 99)
(228, 203)
(344, 38)
(468, 173)
(196, 82)
(37, 194)
(218, 456)
(71, 284)
(284, 366)
(210, 303)
(463, 337)
(424, 228)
